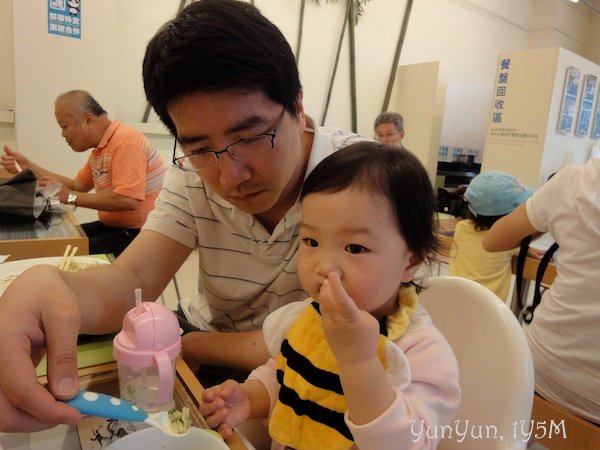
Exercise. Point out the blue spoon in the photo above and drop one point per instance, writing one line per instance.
(102, 405)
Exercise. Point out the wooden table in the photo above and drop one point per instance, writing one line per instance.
(446, 224)
(35, 239)
(4, 175)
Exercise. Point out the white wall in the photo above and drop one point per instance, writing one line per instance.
(46, 65)
(465, 35)
(7, 86)
(136, 23)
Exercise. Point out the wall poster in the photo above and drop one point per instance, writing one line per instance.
(567, 110)
(586, 108)
(64, 18)
(596, 123)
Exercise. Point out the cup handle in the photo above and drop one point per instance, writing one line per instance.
(165, 377)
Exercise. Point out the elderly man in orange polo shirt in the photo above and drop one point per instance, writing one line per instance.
(124, 170)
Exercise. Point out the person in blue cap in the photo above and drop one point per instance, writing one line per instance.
(489, 196)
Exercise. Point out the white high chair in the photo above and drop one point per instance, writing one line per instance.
(496, 371)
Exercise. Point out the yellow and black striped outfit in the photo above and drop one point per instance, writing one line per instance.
(309, 413)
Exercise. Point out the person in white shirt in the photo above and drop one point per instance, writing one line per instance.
(564, 334)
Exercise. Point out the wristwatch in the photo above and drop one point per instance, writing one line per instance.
(72, 199)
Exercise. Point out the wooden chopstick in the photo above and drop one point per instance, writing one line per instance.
(70, 258)
(63, 260)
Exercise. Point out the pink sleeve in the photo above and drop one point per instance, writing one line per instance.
(265, 374)
(428, 403)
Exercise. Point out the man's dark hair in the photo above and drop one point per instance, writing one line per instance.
(219, 45)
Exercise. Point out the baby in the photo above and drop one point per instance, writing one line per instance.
(359, 361)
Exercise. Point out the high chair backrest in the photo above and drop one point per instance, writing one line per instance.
(496, 371)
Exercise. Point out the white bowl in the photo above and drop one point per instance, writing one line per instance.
(154, 439)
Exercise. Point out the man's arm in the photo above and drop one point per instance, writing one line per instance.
(11, 158)
(241, 350)
(508, 231)
(103, 201)
(44, 309)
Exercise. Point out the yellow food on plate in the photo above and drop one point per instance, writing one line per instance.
(180, 421)
(12, 269)
(76, 266)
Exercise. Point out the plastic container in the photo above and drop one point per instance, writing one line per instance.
(145, 351)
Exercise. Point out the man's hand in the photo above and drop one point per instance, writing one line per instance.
(351, 333)
(63, 191)
(28, 328)
(11, 160)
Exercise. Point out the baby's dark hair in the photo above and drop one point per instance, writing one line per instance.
(390, 171)
(482, 223)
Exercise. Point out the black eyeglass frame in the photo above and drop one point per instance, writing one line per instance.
(216, 153)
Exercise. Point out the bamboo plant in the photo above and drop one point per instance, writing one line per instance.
(354, 9)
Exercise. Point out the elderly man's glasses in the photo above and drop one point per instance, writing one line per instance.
(242, 150)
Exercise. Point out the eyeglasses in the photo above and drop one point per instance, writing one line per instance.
(242, 150)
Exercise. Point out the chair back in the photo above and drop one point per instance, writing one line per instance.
(496, 370)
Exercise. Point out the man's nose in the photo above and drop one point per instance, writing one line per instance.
(232, 171)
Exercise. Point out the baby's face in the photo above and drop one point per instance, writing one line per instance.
(354, 233)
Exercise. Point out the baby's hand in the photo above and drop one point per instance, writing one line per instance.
(351, 333)
(225, 406)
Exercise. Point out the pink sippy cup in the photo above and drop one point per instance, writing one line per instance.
(145, 351)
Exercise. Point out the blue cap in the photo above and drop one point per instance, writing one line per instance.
(495, 194)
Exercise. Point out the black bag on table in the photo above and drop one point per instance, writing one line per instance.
(19, 197)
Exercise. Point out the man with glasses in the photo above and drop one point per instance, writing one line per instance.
(389, 128)
(224, 81)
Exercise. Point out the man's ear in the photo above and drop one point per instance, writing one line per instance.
(300, 115)
(88, 117)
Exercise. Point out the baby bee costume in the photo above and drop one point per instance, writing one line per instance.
(309, 413)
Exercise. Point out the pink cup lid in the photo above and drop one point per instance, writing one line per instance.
(149, 330)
